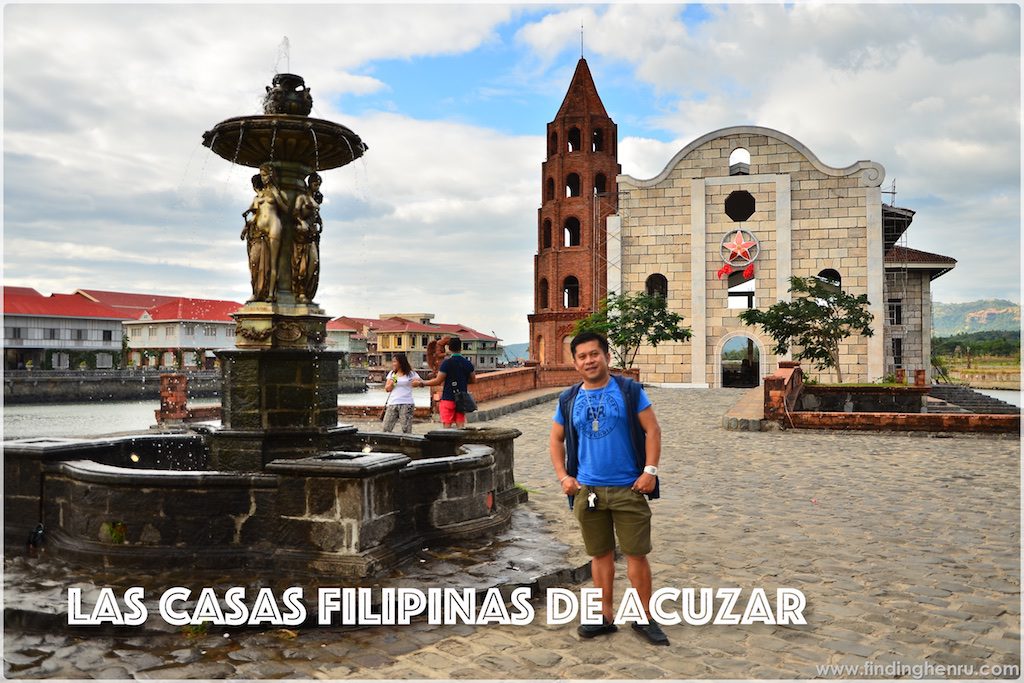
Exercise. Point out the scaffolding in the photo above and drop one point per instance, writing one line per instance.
(896, 275)
(605, 204)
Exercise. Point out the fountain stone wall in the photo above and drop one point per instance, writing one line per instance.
(362, 506)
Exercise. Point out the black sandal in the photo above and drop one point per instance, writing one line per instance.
(591, 630)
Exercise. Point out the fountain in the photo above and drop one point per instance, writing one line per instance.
(280, 486)
(280, 383)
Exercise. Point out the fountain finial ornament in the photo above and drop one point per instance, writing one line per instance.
(288, 94)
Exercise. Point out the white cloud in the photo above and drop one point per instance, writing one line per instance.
(112, 187)
(107, 183)
(932, 92)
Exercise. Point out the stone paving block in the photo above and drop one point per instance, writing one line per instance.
(849, 647)
(542, 658)
(371, 660)
(431, 659)
(588, 672)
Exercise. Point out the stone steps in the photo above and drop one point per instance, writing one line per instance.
(970, 401)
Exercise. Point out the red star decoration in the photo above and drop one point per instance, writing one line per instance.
(738, 247)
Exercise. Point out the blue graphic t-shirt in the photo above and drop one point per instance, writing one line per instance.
(606, 454)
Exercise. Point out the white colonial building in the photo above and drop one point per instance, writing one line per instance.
(181, 333)
(58, 332)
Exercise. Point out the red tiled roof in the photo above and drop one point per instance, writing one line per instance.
(132, 305)
(906, 255)
(21, 291)
(381, 325)
(464, 333)
(403, 325)
(343, 325)
(18, 302)
(343, 322)
(202, 310)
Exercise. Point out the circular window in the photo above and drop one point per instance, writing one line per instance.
(739, 205)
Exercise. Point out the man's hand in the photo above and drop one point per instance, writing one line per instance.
(644, 483)
(570, 486)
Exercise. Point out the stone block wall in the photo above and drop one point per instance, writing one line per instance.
(821, 217)
(340, 513)
(913, 289)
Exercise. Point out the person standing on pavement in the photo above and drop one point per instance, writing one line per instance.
(400, 401)
(455, 372)
(605, 446)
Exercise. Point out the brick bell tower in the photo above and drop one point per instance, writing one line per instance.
(578, 193)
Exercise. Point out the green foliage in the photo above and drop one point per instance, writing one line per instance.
(628, 320)
(814, 322)
(738, 354)
(114, 532)
(988, 343)
(196, 630)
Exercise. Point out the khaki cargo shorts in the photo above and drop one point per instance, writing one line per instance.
(621, 512)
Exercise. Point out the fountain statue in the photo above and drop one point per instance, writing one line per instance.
(283, 233)
(280, 382)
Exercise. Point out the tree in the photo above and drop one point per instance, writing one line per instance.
(818, 318)
(629, 319)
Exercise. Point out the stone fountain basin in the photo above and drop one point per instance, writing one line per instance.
(284, 138)
(349, 512)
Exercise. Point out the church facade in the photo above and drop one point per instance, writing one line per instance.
(731, 217)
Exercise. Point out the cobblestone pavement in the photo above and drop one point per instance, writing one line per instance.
(906, 547)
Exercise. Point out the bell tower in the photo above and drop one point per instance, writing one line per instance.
(578, 193)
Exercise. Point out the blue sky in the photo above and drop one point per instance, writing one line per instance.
(107, 185)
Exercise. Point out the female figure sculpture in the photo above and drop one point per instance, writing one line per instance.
(306, 241)
(267, 207)
(257, 244)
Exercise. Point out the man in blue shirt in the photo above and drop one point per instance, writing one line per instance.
(605, 446)
(455, 372)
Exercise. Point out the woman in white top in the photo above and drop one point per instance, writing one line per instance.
(400, 403)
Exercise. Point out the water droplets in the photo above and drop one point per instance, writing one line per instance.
(316, 150)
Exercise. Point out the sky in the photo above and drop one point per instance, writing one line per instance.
(107, 185)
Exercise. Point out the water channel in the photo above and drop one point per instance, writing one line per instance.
(109, 417)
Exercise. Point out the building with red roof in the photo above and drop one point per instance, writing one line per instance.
(131, 304)
(181, 332)
(345, 335)
(60, 331)
(85, 329)
(410, 333)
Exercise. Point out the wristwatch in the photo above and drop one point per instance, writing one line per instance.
(652, 470)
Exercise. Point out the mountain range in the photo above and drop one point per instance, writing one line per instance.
(974, 316)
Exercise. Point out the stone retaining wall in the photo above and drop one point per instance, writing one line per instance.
(784, 392)
(909, 422)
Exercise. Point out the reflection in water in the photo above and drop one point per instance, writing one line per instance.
(1010, 396)
(92, 419)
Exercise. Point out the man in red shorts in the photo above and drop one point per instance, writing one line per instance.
(455, 370)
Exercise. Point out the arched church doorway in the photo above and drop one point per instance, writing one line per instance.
(741, 363)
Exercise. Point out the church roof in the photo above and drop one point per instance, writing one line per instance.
(582, 99)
